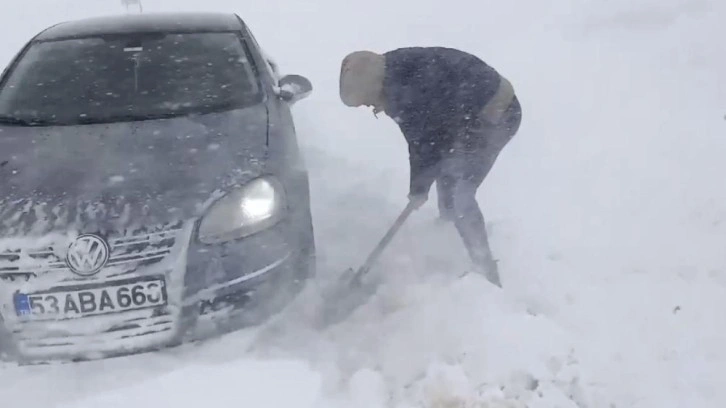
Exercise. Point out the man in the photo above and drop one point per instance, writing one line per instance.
(456, 113)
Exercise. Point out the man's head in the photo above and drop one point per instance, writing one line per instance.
(361, 79)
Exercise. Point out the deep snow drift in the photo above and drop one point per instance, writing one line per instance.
(606, 213)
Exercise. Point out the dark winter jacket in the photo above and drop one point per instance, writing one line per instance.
(434, 93)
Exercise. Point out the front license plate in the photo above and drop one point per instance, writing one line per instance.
(113, 297)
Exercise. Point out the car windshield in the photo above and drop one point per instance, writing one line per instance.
(128, 77)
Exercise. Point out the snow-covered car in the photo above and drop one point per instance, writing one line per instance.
(153, 190)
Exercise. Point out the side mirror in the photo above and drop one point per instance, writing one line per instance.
(293, 88)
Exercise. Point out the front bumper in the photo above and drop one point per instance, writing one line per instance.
(203, 283)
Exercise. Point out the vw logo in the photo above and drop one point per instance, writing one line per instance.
(87, 255)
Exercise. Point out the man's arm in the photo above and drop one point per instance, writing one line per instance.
(423, 161)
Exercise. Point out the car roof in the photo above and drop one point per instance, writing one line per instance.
(146, 23)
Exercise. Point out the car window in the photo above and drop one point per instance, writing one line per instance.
(272, 68)
(128, 77)
(270, 65)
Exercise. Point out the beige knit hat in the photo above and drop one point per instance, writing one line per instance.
(361, 79)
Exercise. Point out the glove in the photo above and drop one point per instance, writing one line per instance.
(417, 200)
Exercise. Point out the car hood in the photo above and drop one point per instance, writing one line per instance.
(116, 175)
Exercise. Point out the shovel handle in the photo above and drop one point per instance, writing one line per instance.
(373, 257)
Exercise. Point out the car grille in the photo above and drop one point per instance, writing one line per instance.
(128, 254)
(132, 255)
(131, 333)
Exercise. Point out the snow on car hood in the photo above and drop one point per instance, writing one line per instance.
(119, 174)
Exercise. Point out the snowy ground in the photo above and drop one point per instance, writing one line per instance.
(606, 210)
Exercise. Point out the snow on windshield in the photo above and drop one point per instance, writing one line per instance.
(91, 80)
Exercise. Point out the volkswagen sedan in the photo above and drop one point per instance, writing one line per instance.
(152, 186)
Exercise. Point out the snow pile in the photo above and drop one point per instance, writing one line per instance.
(497, 355)
(458, 344)
(605, 211)
(212, 384)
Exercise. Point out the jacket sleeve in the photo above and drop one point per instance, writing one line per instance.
(423, 161)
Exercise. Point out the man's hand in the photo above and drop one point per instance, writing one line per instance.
(417, 200)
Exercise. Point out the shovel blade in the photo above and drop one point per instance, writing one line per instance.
(348, 294)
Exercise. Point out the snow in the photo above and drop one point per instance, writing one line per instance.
(606, 212)
(213, 382)
(117, 179)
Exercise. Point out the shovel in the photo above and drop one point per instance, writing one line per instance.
(350, 292)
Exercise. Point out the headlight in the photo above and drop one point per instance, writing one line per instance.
(254, 207)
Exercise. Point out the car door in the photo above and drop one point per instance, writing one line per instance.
(284, 155)
(280, 115)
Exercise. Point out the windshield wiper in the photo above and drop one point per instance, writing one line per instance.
(136, 117)
(11, 120)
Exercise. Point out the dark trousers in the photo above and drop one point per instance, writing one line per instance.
(461, 172)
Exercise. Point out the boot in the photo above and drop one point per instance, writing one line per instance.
(490, 270)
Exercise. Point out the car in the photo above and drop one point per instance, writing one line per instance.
(153, 187)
